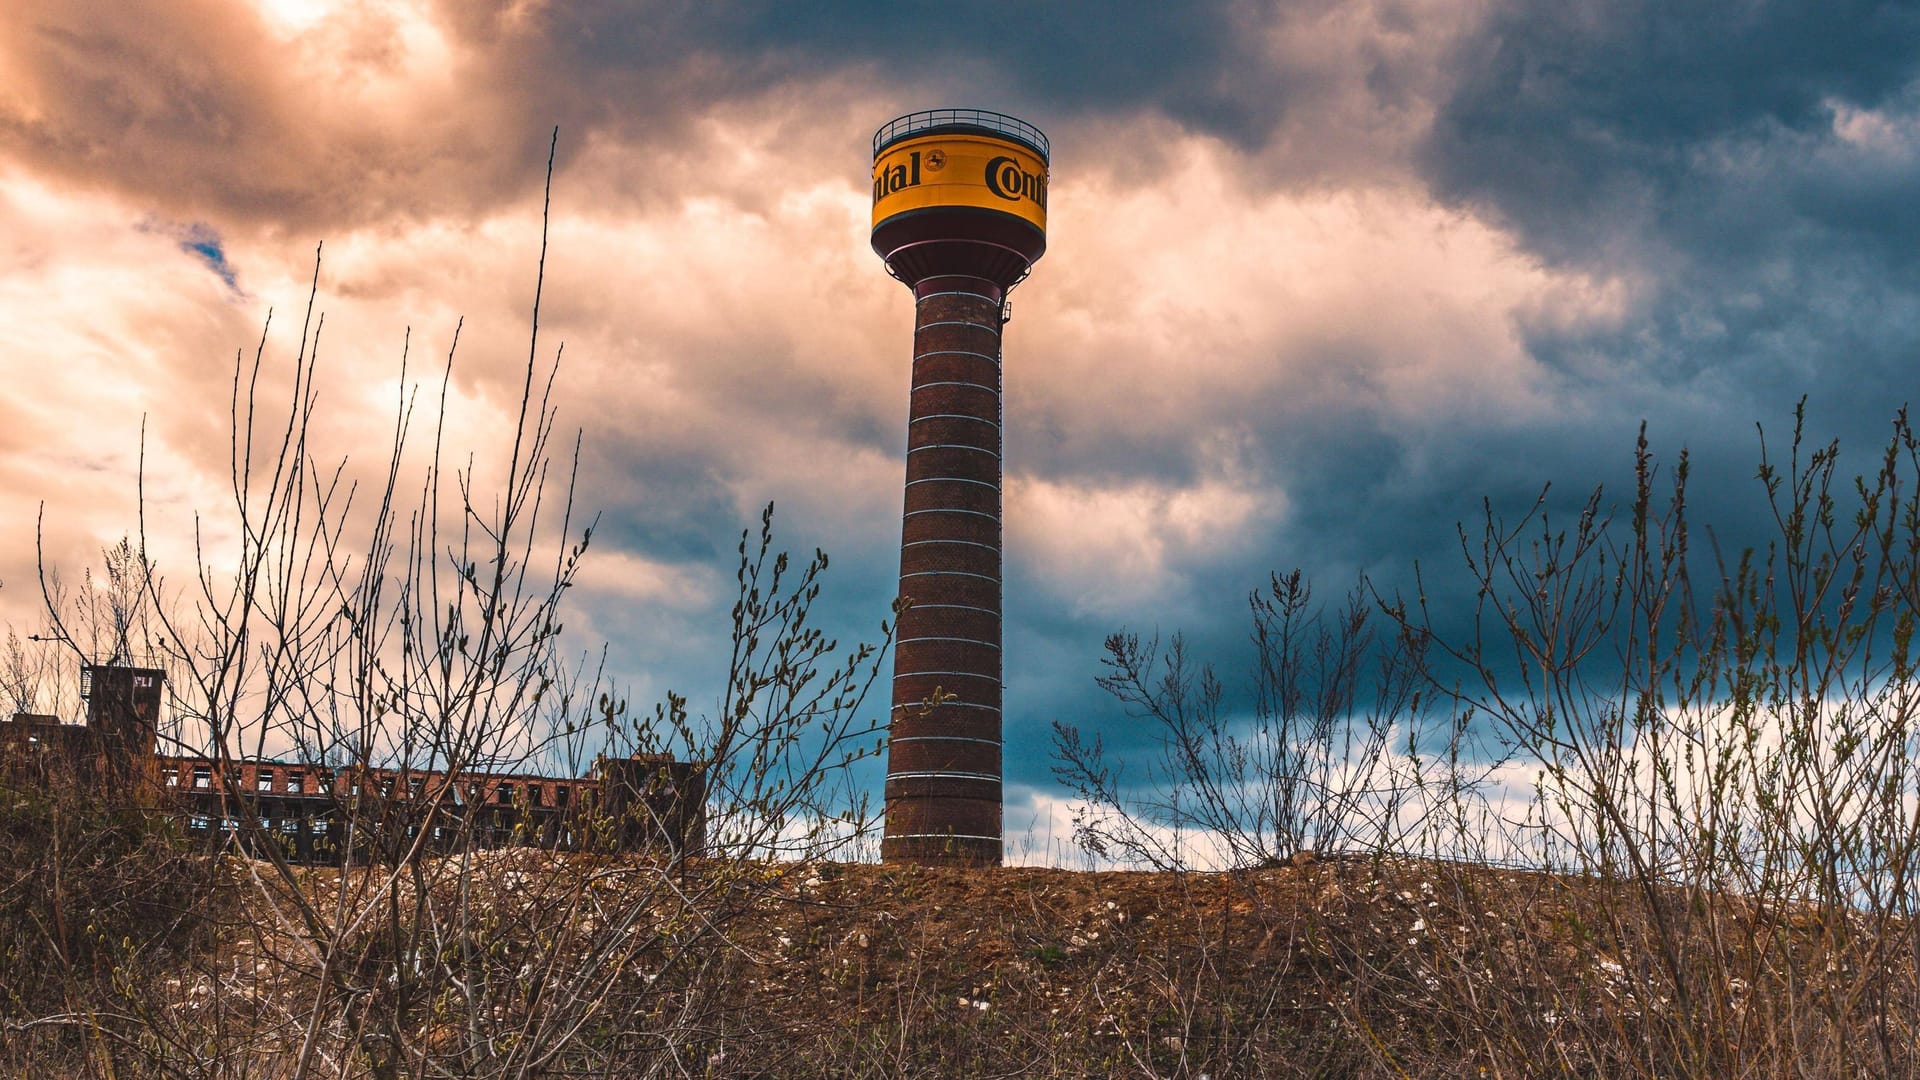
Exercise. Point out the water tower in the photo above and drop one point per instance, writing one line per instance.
(960, 216)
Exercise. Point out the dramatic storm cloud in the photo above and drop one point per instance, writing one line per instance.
(1321, 277)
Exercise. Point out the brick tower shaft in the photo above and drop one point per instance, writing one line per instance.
(943, 765)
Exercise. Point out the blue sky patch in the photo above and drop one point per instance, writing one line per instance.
(202, 241)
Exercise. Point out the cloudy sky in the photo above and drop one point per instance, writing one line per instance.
(1322, 275)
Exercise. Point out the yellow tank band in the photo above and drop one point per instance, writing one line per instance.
(960, 170)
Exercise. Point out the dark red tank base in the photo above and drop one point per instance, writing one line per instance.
(943, 804)
(959, 240)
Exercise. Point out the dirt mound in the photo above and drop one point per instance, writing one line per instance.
(613, 965)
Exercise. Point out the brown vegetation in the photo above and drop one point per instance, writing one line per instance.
(1329, 966)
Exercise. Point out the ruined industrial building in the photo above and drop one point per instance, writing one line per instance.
(312, 812)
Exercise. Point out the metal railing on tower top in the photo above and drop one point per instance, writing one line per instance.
(914, 123)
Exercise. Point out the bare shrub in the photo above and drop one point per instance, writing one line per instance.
(416, 625)
(1732, 745)
(1328, 750)
(1726, 817)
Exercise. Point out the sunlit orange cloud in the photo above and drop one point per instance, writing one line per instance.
(729, 338)
(210, 109)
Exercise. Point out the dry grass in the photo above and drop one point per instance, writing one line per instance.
(1332, 967)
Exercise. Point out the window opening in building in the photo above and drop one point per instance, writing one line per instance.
(263, 780)
(503, 794)
(202, 777)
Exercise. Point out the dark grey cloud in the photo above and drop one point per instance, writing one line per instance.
(1751, 165)
(1576, 121)
(1748, 164)
(1192, 63)
(1747, 167)
(1697, 152)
